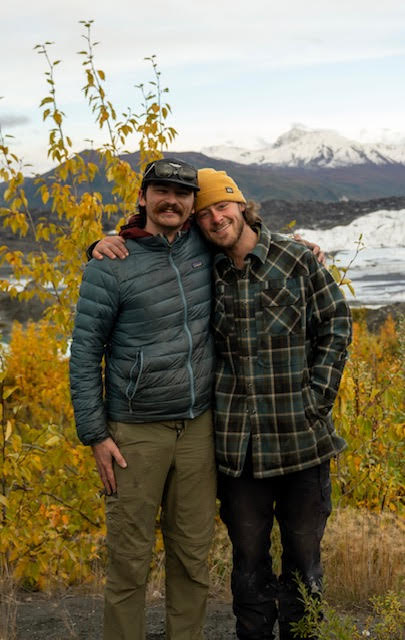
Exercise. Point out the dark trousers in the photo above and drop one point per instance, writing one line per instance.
(301, 503)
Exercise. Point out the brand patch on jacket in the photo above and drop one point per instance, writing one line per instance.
(197, 264)
(229, 189)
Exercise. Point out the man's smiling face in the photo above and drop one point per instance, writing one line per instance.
(222, 223)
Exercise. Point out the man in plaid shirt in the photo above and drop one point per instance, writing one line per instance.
(282, 328)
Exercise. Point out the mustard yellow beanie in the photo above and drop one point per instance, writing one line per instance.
(216, 186)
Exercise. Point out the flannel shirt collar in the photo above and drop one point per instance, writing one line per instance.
(261, 249)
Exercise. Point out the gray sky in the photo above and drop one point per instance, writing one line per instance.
(238, 72)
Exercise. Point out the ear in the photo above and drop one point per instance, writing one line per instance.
(141, 197)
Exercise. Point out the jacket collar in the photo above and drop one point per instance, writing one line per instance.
(135, 228)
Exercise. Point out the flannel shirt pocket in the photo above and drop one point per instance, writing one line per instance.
(280, 311)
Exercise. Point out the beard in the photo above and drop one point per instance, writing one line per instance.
(236, 229)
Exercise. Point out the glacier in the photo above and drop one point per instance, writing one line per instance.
(374, 247)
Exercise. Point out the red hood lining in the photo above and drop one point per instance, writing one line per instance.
(134, 228)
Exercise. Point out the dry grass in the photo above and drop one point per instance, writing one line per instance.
(363, 556)
(156, 581)
(220, 562)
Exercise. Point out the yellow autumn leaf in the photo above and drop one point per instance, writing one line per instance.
(9, 430)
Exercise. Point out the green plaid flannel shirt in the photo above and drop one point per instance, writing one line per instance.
(282, 328)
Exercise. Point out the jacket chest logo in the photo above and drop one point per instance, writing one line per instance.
(197, 264)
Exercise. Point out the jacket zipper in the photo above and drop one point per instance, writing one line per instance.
(187, 332)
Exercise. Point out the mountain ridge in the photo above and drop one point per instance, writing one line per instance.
(262, 182)
(313, 148)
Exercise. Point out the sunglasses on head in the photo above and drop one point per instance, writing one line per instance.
(168, 170)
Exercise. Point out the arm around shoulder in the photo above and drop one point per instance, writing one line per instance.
(110, 247)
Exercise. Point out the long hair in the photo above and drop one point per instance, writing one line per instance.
(251, 213)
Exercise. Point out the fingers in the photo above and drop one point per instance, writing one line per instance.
(318, 253)
(119, 458)
(106, 474)
(109, 479)
(105, 453)
(111, 247)
(96, 254)
(315, 248)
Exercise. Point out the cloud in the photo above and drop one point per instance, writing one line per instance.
(237, 70)
(8, 120)
(290, 33)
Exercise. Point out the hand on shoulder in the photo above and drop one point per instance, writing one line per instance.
(315, 248)
(111, 247)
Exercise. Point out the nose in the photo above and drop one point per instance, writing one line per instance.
(170, 197)
(216, 217)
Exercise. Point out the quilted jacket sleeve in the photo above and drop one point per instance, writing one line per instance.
(96, 313)
(330, 323)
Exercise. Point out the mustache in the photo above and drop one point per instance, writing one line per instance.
(165, 206)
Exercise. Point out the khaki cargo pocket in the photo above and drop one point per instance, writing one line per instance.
(112, 518)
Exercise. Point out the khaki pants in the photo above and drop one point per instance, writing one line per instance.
(169, 464)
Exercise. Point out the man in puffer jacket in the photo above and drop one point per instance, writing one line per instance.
(149, 421)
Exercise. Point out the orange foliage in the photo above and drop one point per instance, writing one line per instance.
(51, 515)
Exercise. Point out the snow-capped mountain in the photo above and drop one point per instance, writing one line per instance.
(312, 148)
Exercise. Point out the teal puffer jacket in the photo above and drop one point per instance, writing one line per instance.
(149, 316)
